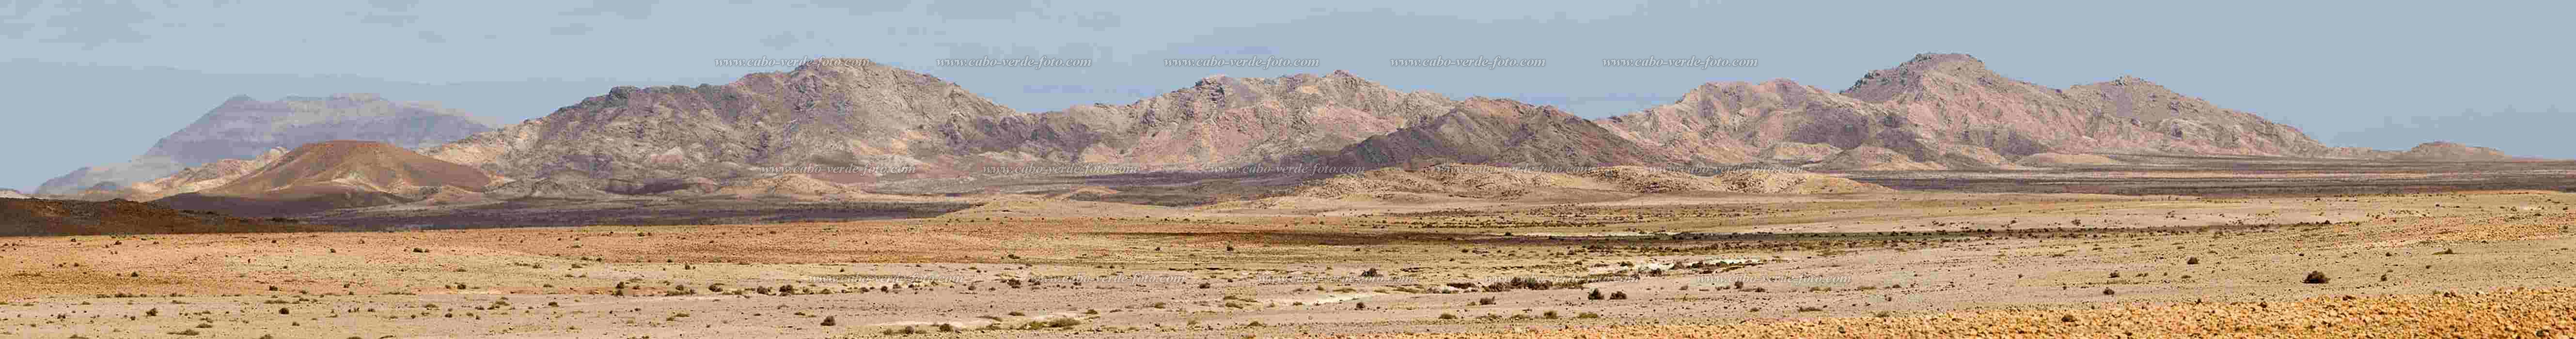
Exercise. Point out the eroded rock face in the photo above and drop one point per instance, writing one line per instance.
(2449, 151)
(245, 128)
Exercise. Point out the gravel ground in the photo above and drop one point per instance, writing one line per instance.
(2516, 313)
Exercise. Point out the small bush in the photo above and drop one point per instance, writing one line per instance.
(1619, 295)
(1446, 316)
(1596, 294)
(2317, 277)
(831, 321)
(1485, 301)
(2191, 261)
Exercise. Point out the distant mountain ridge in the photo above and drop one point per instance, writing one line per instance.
(1933, 112)
(244, 128)
(1948, 111)
(855, 113)
(881, 123)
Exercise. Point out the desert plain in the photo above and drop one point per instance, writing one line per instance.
(2380, 256)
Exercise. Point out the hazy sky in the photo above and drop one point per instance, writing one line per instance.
(93, 82)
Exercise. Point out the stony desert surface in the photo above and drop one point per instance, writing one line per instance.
(1898, 264)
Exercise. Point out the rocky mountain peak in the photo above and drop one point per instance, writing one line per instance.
(1933, 75)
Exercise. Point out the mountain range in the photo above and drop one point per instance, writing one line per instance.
(833, 126)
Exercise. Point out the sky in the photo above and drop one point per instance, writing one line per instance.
(97, 81)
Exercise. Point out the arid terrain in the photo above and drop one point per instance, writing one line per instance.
(1911, 263)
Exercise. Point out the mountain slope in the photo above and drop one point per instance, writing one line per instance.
(869, 121)
(200, 178)
(833, 112)
(335, 174)
(1737, 122)
(244, 128)
(1218, 123)
(1503, 132)
(1948, 111)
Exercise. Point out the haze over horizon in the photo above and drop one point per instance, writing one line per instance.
(118, 76)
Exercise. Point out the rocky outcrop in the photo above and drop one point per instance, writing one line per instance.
(245, 128)
(2449, 151)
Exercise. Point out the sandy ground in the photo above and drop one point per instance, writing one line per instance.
(2478, 264)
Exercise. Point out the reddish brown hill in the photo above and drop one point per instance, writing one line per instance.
(334, 174)
(2450, 151)
(38, 217)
